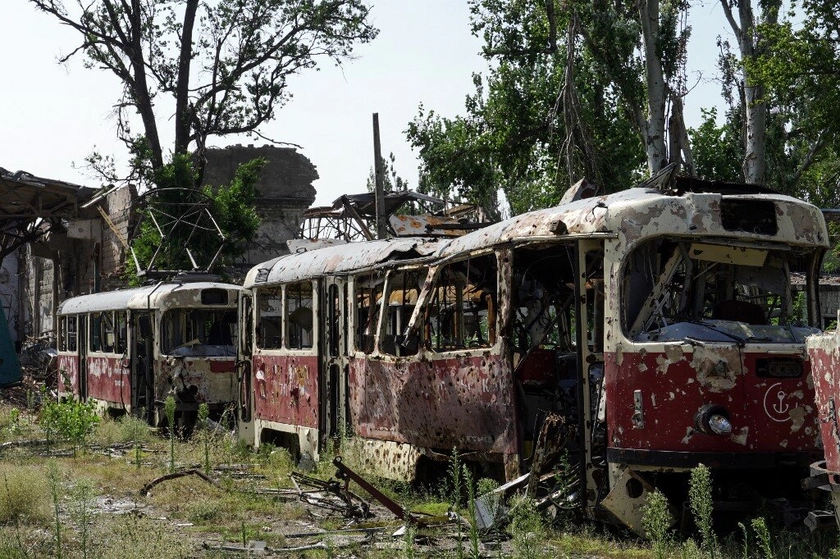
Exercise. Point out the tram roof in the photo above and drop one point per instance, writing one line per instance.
(340, 259)
(135, 298)
(632, 212)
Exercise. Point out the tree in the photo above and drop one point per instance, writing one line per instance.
(223, 63)
(221, 67)
(581, 88)
(800, 73)
(754, 107)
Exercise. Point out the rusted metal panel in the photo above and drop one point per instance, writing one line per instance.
(824, 352)
(286, 389)
(108, 380)
(767, 414)
(68, 375)
(337, 260)
(196, 380)
(420, 225)
(465, 402)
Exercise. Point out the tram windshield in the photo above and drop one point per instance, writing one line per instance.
(687, 290)
(199, 332)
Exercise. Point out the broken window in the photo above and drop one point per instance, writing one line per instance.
(269, 323)
(677, 289)
(108, 332)
(462, 312)
(403, 289)
(199, 332)
(72, 321)
(121, 332)
(543, 299)
(368, 289)
(95, 341)
(62, 333)
(299, 315)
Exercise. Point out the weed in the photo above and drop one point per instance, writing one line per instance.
(526, 529)
(408, 541)
(70, 420)
(204, 433)
(455, 474)
(700, 498)
(55, 490)
(656, 520)
(81, 509)
(169, 410)
(762, 537)
(475, 551)
(129, 536)
(22, 497)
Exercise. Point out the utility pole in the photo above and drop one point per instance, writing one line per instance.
(378, 171)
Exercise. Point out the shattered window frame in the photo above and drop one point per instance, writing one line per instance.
(299, 312)
(457, 286)
(403, 287)
(268, 310)
(737, 292)
(367, 287)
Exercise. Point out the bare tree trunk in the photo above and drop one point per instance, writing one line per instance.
(755, 111)
(183, 113)
(654, 129)
(140, 87)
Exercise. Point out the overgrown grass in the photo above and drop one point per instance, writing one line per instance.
(24, 495)
(187, 517)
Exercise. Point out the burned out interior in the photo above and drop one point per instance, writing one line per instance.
(676, 289)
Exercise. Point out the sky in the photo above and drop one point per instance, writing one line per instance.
(52, 116)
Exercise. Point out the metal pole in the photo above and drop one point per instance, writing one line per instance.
(380, 182)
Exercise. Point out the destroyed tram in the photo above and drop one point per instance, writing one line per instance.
(642, 333)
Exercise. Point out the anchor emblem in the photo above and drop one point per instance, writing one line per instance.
(774, 404)
(780, 407)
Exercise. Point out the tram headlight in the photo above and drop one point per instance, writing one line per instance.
(720, 425)
(713, 420)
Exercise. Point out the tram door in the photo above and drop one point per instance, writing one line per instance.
(244, 353)
(142, 366)
(82, 344)
(333, 390)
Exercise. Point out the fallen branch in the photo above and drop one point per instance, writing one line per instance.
(174, 475)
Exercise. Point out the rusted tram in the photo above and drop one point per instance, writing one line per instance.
(128, 350)
(657, 327)
(824, 353)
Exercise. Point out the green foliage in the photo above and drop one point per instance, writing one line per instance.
(175, 194)
(527, 529)
(70, 420)
(169, 411)
(656, 520)
(762, 538)
(717, 149)
(563, 99)
(700, 500)
(81, 511)
(22, 495)
(225, 65)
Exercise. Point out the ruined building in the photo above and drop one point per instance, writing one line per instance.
(285, 191)
(91, 254)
